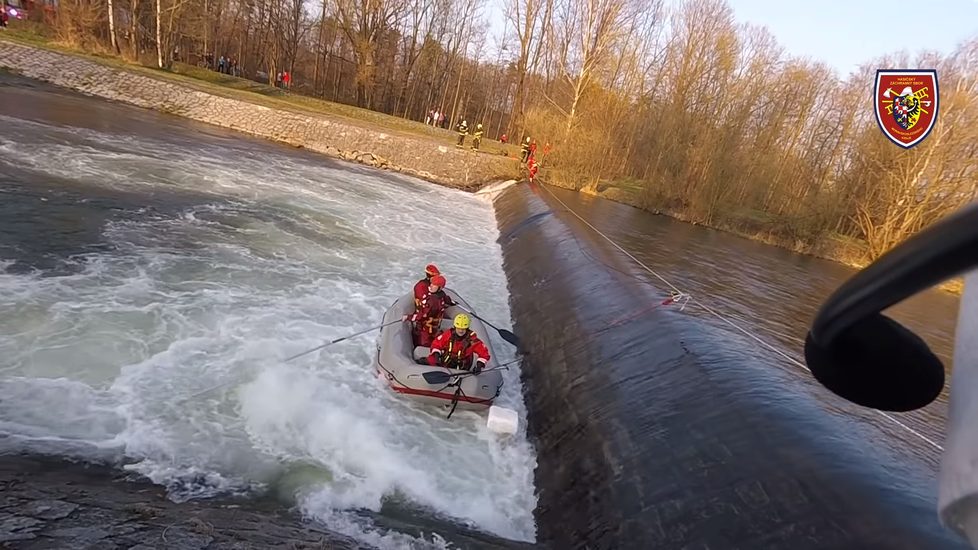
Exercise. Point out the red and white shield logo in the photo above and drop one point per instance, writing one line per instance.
(906, 104)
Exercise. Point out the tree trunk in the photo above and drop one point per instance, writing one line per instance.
(134, 28)
(159, 35)
(115, 44)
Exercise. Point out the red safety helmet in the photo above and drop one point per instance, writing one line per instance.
(438, 280)
(431, 270)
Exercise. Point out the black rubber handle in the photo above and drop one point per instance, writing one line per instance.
(870, 359)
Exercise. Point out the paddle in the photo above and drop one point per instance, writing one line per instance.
(439, 377)
(503, 333)
(307, 352)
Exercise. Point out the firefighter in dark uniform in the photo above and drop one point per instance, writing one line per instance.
(463, 130)
(525, 150)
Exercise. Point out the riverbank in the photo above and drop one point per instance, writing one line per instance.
(430, 157)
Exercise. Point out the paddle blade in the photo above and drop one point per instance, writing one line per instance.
(509, 337)
(436, 377)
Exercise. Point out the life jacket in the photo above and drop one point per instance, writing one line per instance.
(456, 355)
(417, 301)
(430, 317)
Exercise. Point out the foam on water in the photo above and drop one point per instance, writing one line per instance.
(290, 253)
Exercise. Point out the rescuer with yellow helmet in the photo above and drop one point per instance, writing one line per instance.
(459, 348)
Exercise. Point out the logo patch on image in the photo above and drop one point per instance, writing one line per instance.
(906, 104)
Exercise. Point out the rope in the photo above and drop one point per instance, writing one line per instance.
(240, 377)
(733, 325)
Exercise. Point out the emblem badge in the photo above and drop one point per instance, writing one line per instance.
(906, 104)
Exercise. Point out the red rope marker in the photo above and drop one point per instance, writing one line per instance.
(676, 297)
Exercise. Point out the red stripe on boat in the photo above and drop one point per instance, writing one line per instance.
(438, 394)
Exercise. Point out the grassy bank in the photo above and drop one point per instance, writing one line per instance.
(244, 89)
(833, 247)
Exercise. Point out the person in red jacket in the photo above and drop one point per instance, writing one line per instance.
(532, 167)
(459, 348)
(429, 312)
(421, 287)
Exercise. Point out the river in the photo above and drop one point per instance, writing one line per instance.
(146, 259)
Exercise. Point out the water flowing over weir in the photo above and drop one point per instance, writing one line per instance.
(144, 259)
(668, 430)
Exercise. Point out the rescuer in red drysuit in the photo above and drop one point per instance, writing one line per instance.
(532, 167)
(421, 287)
(429, 312)
(457, 347)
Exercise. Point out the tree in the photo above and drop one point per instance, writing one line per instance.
(364, 22)
(531, 22)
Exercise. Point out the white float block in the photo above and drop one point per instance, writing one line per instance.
(503, 420)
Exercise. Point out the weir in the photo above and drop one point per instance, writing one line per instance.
(651, 433)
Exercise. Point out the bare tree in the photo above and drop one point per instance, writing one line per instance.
(594, 25)
(364, 22)
(530, 20)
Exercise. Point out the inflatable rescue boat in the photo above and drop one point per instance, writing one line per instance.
(397, 362)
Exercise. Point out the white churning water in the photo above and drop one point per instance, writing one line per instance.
(287, 253)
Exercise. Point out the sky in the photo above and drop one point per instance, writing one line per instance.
(847, 33)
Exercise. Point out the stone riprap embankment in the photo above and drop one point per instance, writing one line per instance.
(425, 158)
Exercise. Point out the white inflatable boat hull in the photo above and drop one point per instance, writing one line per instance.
(396, 354)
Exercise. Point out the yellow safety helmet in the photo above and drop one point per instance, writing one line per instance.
(462, 321)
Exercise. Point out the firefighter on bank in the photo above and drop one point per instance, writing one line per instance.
(525, 150)
(463, 130)
(477, 137)
(458, 348)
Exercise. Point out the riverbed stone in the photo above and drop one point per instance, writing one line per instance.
(48, 509)
(50, 503)
(14, 527)
(423, 157)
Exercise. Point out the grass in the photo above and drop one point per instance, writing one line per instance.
(250, 91)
